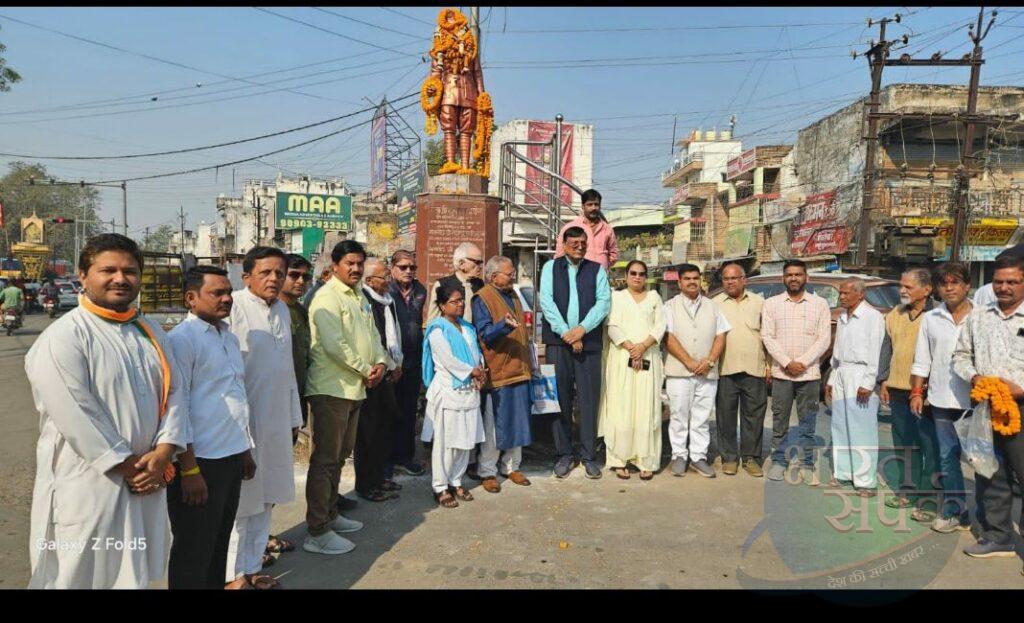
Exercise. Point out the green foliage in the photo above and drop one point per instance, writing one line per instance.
(433, 153)
(7, 75)
(20, 199)
(159, 239)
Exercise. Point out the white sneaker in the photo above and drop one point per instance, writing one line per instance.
(344, 524)
(328, 543)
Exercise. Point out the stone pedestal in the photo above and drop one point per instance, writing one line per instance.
(444, 221)
(457, 184)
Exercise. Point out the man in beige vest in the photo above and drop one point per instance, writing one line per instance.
(695, 340)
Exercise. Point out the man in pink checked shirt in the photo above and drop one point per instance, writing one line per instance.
(601, 244)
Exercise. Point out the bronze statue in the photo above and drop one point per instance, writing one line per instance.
(454, 95)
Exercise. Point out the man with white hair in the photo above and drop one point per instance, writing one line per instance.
(507, 350)
(468, 261)
(851, 390)
(380, 409)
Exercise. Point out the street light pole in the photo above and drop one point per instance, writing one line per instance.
(124, 206)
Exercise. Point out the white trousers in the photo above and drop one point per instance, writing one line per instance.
(248, 543)
(447, 466)
(490, 456)
(691, 399)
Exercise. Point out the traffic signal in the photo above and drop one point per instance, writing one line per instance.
(60, 220)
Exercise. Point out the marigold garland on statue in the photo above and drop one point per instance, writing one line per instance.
(431, 102)
(482, 139)
(1005, 412)
(458, 19)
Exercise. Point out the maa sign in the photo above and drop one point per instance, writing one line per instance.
(816, 229)
(328, 212)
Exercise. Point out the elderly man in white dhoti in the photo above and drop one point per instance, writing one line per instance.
(111, 418)
(262, 324)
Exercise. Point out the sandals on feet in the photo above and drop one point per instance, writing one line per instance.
(621, 472)
(445, 499)
(390, 485)
(646, 475)
(462, 494)
(276, 545)
(268, 560)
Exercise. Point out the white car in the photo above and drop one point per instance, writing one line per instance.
(67, 297)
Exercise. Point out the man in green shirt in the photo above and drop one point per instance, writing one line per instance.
(346, 357)
(11, 297)
(296, 282)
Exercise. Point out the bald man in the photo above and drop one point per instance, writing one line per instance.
(852, 391)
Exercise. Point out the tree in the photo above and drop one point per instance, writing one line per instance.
(21, 199)
(433, 153)
(7, 75)
(159, 240)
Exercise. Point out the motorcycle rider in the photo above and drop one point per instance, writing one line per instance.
(11, 297)
(49, 291)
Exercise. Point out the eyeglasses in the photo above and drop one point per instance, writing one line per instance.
(455, 301)
(295, 275)
(636, 274)
(376, 277)
(576, 243)
(477, 262)
(411, 267)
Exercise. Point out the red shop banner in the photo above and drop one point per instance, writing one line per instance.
(543, 131)
(816, 229)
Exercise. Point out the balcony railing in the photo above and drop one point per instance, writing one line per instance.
(692, 162)
(746, 191)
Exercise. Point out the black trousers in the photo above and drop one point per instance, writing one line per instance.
(374, 436)
(996, 494)
(199, 551)
(403, 435)
(750, 395)
(576, 375)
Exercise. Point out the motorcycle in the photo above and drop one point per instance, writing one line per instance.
(50, 306)
(12, 320)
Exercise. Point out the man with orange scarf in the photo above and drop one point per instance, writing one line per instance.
(111, 418)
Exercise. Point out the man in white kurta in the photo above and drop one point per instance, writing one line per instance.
(98, 387)
(852, 390)
(263, 328)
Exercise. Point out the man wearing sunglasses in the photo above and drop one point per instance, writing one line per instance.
(296, 281)
(409, 296)
(468, 260)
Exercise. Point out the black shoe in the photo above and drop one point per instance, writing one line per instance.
(593, 470)
(345, 504)
(563, 466)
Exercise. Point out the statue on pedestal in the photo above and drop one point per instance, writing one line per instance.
(454, 95)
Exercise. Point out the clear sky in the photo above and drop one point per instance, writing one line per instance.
(629, 71)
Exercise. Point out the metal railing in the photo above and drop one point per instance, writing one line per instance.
(544, 203)
(690, 159)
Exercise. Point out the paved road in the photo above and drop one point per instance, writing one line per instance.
(691, 532)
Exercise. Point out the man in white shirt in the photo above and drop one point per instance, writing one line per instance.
(986, 294)
(695, 340)
(851, 390)
(948, 394)
(260, 321)
(203, 498)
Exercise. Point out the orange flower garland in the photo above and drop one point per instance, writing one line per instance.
(431, 103)
(1005, 412)
(482, 140)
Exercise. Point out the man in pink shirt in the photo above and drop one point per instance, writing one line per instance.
(601, 244)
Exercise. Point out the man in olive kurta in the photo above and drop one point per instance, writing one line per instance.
(297, 279)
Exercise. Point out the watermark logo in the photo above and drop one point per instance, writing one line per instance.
(829, 536)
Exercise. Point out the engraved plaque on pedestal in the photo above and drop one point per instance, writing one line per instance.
(445, 221)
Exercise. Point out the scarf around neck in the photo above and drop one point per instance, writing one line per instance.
(391, 337)
(133, 316)
(467, 353)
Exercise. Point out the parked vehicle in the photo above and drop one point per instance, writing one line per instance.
(67, 297)
(882, 294)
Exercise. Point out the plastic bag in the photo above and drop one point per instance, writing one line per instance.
(975, 433)
(545, 391)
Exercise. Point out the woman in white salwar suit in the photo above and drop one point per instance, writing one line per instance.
(453, 373)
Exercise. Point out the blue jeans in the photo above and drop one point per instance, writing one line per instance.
(784, 394)
(952, 476)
